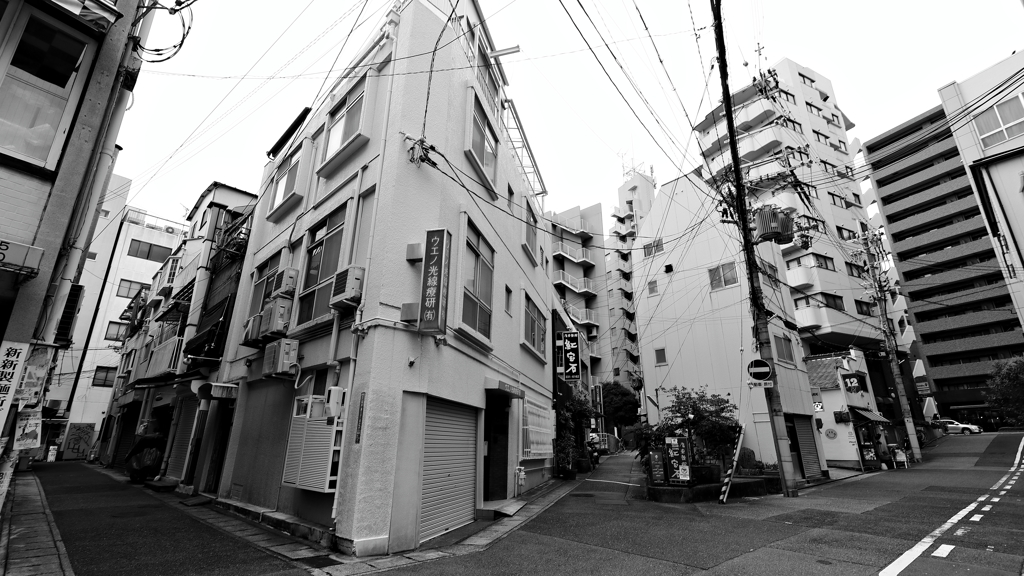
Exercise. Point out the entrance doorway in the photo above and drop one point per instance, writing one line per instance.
(496, 414)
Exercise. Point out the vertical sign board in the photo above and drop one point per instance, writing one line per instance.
(571, 362)
(27, 429)
(13, 356)
(37, 366)
(657, 467)
(434, 282)
(678, 463)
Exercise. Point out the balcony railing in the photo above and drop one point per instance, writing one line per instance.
(574, 225)
(187, 274)
(581, 315)
(581, 255)
(578, 285)
(620, 212)
(166, 357)
(624, 230)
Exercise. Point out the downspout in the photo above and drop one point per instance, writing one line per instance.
(354, 350)
(170, 439)
(126, 74)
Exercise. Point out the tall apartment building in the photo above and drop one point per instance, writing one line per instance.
(579, 276)
(636, 196)
(129, 246)
(387, 368)
(797, 161)
(63, 97)
(959, 303)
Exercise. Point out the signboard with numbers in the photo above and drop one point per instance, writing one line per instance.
(854, 383)
(434, 282)
(13, 356)
(19, 256)
(572, 365)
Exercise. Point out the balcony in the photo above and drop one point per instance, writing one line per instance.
(621, 213)
(583, 286)
(940, 235)
(837, 324)
(802, 277)
(619, 283)
(1013, 338)
(991, 292)
(624, 230)
(910, 203)
(972, 369)
(584, 316)
(578, 255)
(575, 225)
(951, 167)
(758, 144)
(915, 161)
(972, 272)
(747, 116)
(968, 320)
(166, 358)
(631, 348)
(907, 336)
(186, 275)
(942, 212)
(621, 265)
(613, 243)
(934, 260)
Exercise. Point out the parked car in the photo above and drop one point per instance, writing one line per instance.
(954, 427)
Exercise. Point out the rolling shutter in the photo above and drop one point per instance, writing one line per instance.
(448, 496)
(808, 451)
(182, 437)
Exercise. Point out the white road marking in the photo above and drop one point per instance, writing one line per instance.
(1000, 483)
(611, 482)
(995, 499)
(1003, 493)
(977, 517)
(986, 508)
(909, 556)
(961, 531)
(943, 551)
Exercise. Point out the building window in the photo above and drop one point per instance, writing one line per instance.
(807, 80)
(478, 268)
(1001, 122)
(534, 327)
(811, 261)
(511, 201)
(284, 186)
(116, 331)
(828, 167)
(47, 67)
(104, 213)
(835, 119)
(865, 308)
(855, 198)
(652, 287)
(508, 300)
(784, 349)
(837, 200)
(787, 97)
(345, 120)
(104, 377)
(531, 232)
(855, 270)
(820, 137)
(809, 223)
(723, 275)
(813, 109)
(263, 283)
(128, 288)
(615, 371)
(793, 125)
(798, 154)
(660, 358)
(147, 251)
(90, 256)
(483, 146)
(652, 248)
(322, 258)
(842, 145)
(846, 234)
(770, 274)
(829, 300)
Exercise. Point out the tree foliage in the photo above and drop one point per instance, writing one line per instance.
(713, 418)
(621, 407)
(1006, 390)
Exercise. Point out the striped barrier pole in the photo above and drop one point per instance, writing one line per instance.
(735, 460)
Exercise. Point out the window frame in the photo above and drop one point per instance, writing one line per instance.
(477, 113)
(652, 287)
(1002, 126)
(122, 331)
(111, 375)
(14, 24)
(782, 344)
(531, 224)
(787, 96)
(288, 170)
(718, 275)
(460, 301)
(540, 320)
(663, 361)
(861, 305)
(806, 80)
(654, 247)
(136, 246)
(313, 243)
(133, 288)
(356, 94)
(258, 280)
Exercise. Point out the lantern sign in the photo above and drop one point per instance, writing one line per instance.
(571, 363)
(434, 283)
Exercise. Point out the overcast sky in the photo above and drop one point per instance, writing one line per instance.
(886, 61)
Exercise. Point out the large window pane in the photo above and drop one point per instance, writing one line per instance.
(323, 301)
(352, 120)
(313, 266)
(1010, 111)
(987, 121)
(35, 91)
(306, 307)
(332, 252)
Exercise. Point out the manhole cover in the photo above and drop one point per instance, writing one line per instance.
(582, 495)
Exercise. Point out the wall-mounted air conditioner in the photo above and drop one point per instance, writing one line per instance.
(284, 282)
(280, 358)
(276, 314)
(348, 287)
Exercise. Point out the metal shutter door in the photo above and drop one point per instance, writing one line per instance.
(808, 451)
(182, 437)
(448, 496)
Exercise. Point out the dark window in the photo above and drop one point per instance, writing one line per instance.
(115, 331)
(263, 283)
(322, 258)
(723, 275)
(128, 288)
(660, 358)
(865, 308)
(652, 248)
(90, 256)
(784, 348)
(652, 287)
(535, 327)
(478, 265)
(147, 251)
(104, 377)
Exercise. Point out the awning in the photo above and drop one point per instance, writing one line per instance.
(869, 415)
(969, 407)
(167, 378)
(97, 14)
(505, 388)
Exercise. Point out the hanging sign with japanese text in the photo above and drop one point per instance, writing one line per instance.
(13, 356)
(27, 429)
(36, 369)
(677, 460)
(571, 362)
(434, 283)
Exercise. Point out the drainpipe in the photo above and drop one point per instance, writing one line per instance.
(126, 74)
(366, 271)
(170, 439)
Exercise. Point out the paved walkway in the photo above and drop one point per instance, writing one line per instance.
(30, 541)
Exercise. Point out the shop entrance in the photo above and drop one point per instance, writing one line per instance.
(496, 414)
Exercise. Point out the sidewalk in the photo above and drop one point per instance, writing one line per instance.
(31, 545)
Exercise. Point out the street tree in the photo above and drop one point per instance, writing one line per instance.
(621, 407)
(1006, 390)
(711, 417)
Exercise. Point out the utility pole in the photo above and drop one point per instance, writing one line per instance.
(875, 254)
(757, 309)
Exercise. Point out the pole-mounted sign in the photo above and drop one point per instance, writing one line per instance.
(571, 362)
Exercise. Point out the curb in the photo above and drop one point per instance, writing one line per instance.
(62, 551)
(5, 531)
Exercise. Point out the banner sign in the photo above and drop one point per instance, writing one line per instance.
(572, 365)
(678, 463)
(434, 283)
(37, 367)
(854, 383)
(28, 429)
(12, 363)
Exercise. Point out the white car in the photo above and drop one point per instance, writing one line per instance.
(954, 427)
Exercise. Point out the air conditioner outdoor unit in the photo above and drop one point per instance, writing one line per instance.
(170, 230)
(348, 287)
(251, 333)
(276, 314)
(280, 357)
(284, 282)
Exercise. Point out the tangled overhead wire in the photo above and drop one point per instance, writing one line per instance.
(183, 10)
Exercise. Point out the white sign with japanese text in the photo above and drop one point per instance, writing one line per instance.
(13, 356)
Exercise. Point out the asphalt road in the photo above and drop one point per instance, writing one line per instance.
(852, 527)
(110, 528)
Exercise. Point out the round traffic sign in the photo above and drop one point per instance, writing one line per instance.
(759, 369)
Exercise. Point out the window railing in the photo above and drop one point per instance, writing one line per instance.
(578, 285)
(166, 357)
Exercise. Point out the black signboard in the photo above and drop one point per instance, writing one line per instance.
(657, 467)
(676, 458)
(434, 283)
(854, 383)
(571, 362)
